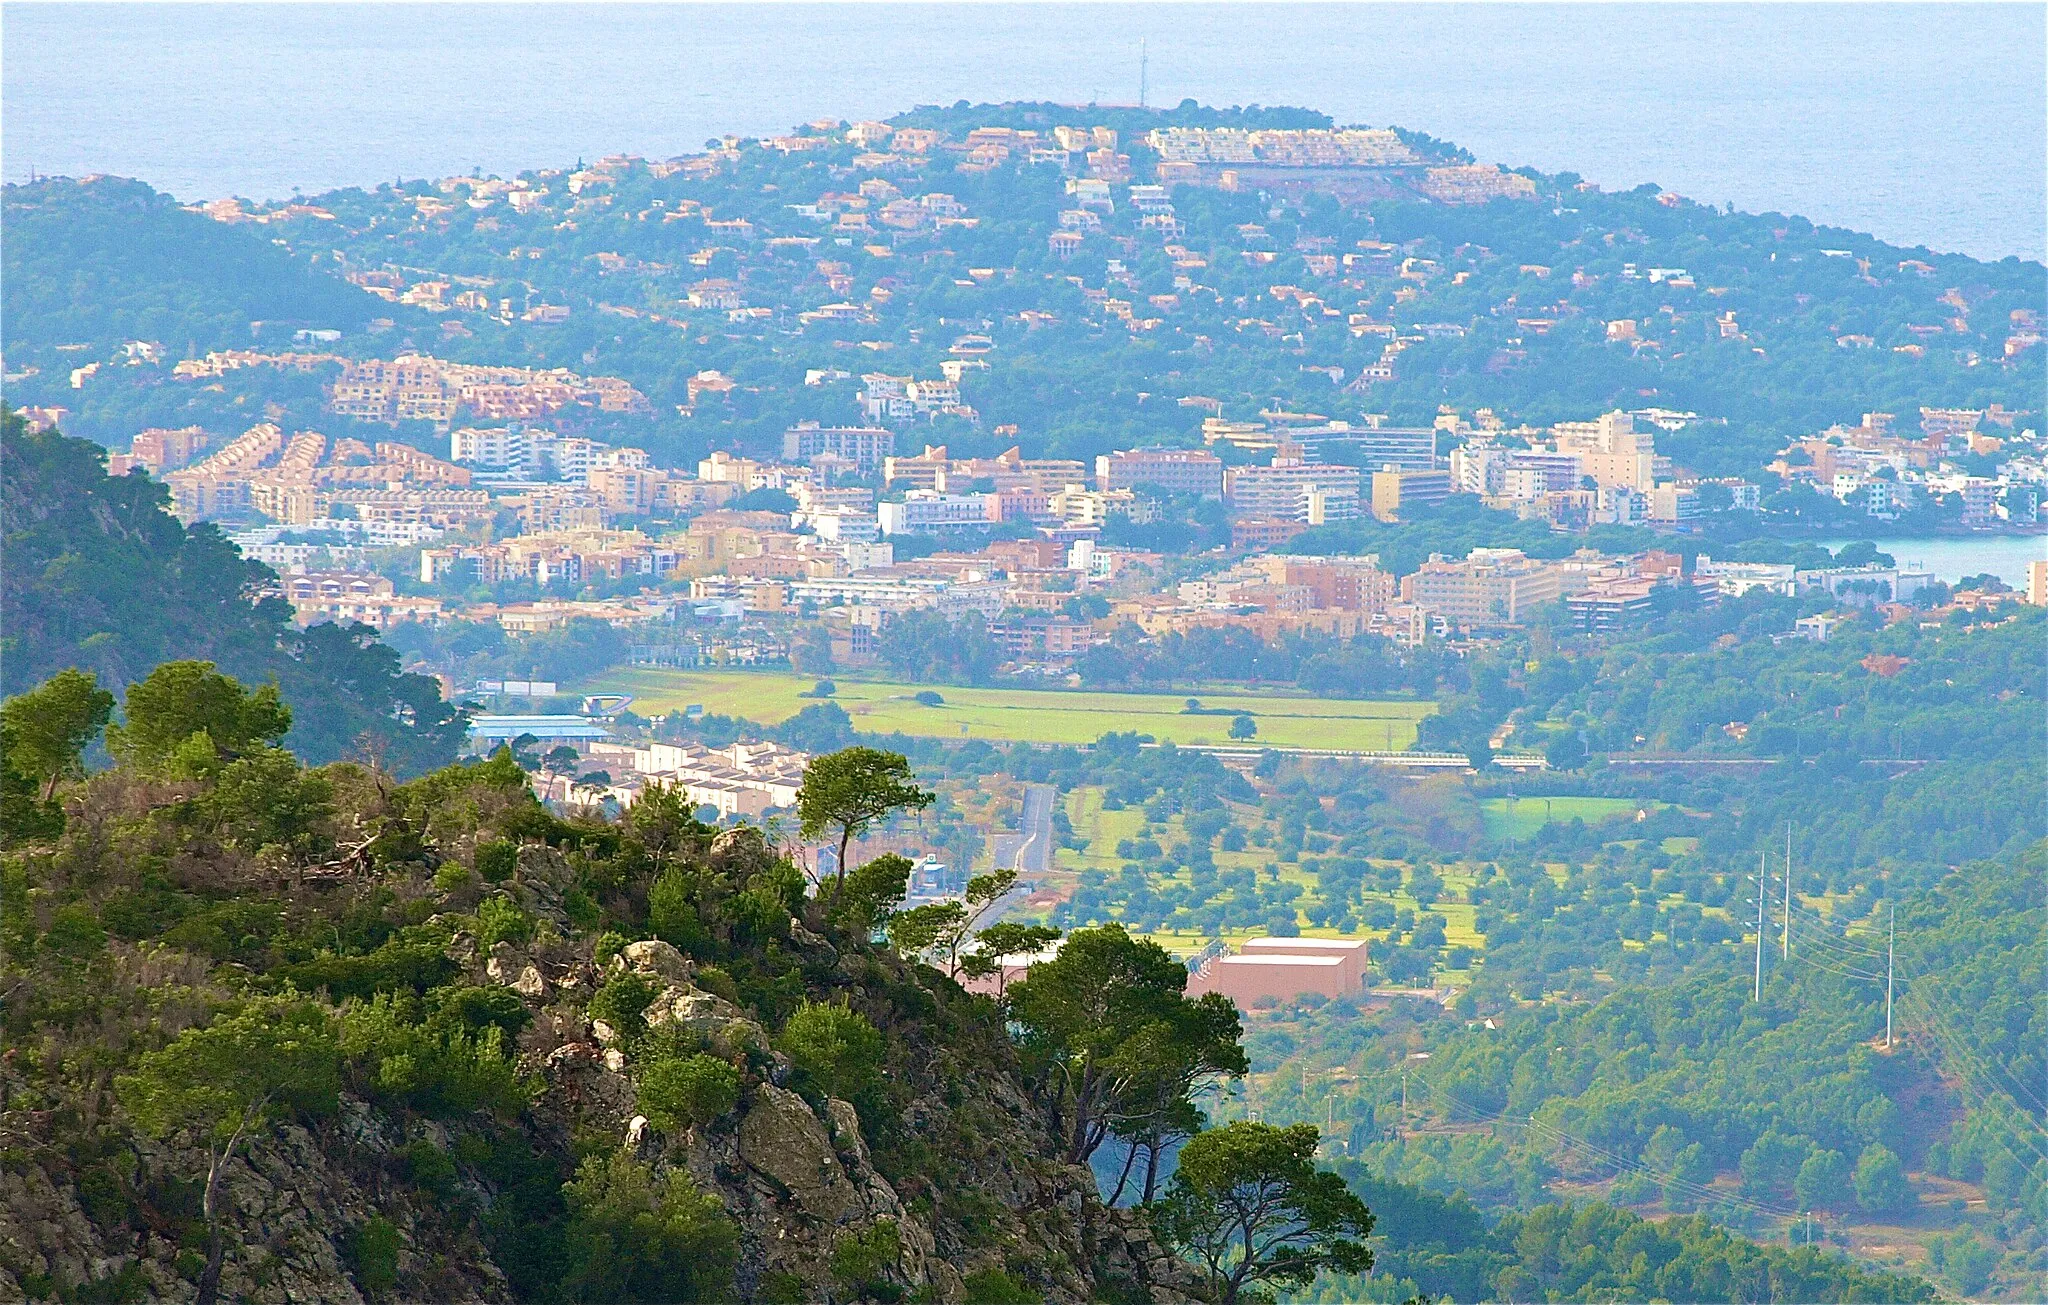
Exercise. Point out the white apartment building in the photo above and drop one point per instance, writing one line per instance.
(1177, 471)
(924, 512)
(1296, 491)
(864, 446)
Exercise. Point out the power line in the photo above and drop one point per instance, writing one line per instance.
(1928, 991)
(1836, 969)
(1815, 918)
(1852, 961)
(1685, 1186)
(1940, 1029)
(1949, 1043)
(1986, 1100)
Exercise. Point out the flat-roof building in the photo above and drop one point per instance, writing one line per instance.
(1284, 969)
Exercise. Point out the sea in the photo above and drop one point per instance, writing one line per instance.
(1951, 557)
(1920, 123)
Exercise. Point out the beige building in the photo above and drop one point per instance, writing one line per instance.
(1396, 488)
(1491, 586)
(1611, 451)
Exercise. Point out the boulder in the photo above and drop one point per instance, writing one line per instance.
(741, 851)
(506, 963)
(659, 960)
(783, 1141)
(711, 1019)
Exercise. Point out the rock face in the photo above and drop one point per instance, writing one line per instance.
(782, 1141)
(973, 1186)
(294, 1200)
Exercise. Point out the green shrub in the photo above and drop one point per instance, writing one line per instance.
(718, 983)
(870, 891)
(499, 919)
(675, 1093)
(428, 1167)
(104, 1195)
(760, 914)
(373, 1253)
(435, 1065)
(609, 944)
(74, 933)
(672, 911)
(453, 878)
(476, 1008)
(622, 1003)
(266, 799)
(225, 931)
(145, 912)
(862, 1261)
(632, 1239)
(496, 860)
(400, 964)
(582, 909)
(835, 1046)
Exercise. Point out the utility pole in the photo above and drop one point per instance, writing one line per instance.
(1757, 992)
(1788, 891)
(1889, 942)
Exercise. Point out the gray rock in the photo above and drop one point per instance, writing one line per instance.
(782, 1140)
(845, 1121)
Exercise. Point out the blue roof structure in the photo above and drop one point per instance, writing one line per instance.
(552, 728)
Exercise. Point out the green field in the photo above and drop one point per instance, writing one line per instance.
(1023, 715)
(1532, 813)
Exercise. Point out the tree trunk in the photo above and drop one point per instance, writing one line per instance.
(1151, 1170)
(216, 1250)
(1077, 1139)
(1130, 1155)
(845, 837)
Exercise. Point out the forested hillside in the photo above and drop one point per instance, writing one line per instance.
(1898, 750)
(1611, 1042)
(102, 261)
(288, 1033)
(100, 575)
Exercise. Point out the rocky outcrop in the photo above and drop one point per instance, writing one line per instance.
(974, 1186)
(296, 1200)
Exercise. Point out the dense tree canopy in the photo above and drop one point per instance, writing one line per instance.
(100, 576)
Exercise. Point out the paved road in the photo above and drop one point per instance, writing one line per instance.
(1034, 853)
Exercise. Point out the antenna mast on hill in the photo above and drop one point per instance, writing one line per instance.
(1144, 59)
(1762, 877)
(1788, 891)
(1891, 939)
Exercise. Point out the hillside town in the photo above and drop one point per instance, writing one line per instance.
(700, 569)
(908, 710)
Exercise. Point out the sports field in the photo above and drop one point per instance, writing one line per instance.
(1529, 814)
(1023, 715)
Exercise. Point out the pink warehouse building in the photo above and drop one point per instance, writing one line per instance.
(1284, 969)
